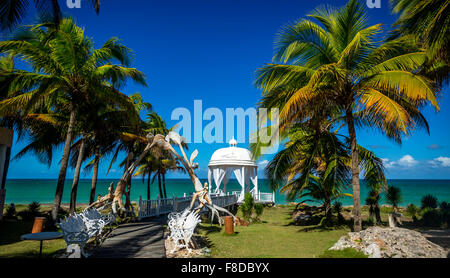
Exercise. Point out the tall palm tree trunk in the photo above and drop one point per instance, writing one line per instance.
(377, 214)
(159, 184)
(128, 188)
(63, 169)
(164, 184)
(95, 174)
(148, 186)
(127, 194)
(76, 177)
(357, 221)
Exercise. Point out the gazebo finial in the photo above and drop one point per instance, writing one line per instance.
(233, 142)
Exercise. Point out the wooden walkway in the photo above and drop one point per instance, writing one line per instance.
(134, 240)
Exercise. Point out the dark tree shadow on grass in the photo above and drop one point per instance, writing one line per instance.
(10, 231)
(208, 229)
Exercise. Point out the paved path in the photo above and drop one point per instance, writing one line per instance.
(134, 240)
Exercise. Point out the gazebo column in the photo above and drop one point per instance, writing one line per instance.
(209, 179)
(254, 179)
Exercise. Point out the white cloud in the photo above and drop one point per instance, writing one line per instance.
(263, 163)
(407, 161)
(441, 162)
(387, 163)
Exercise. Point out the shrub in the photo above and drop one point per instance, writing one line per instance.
(32, 211)
(371, 221)
(34, 207)
(444, 206)
(259, 208)
(431, 217)
(248, 207)
(412, 211)
(337, 208)
(429, 201)
(10, 212)
(445, 213)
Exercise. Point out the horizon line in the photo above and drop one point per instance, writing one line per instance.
(442, 179)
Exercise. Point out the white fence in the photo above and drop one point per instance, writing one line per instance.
(148, 208)
(260, 197)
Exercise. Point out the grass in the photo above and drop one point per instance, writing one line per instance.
(346, 253)
(274, 237)
(12, 246)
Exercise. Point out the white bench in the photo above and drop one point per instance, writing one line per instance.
(175, 220)
(93, 213)
(95, 220)
(79, 228)
(182, 227)
(75, 232)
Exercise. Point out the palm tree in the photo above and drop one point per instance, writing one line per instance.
(393, 197)
(428, 21)
(320, 189)
(6, 65)
(336, 70)
(158, 161)
(102, 126)
(317, 164)
(67, 72)
(131, 140)
(374, 208)
(12, 12)
(145, 169)
(76, 176)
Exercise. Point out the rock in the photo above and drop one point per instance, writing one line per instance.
(377, 242)
(374, 251)
(241, 222)
(302, 216)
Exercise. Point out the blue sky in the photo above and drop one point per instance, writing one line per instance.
(209, 50)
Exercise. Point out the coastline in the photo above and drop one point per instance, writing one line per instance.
(25, 191)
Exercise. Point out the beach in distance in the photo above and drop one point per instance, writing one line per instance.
(24, 191)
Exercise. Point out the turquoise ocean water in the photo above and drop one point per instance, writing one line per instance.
(23, 191)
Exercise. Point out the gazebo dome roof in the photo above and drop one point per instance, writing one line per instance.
(232, 156)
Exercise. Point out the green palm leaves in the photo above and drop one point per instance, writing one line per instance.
(428, 21)
(318, 164)
(333, 67)
(13, 11)
(69, 76)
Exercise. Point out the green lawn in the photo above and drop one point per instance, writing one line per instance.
(275, 237)
(11, 246)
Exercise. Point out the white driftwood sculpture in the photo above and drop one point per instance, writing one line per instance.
(201, 193)
(116, 198)
(164, 143)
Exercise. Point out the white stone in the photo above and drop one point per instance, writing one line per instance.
(380, 242)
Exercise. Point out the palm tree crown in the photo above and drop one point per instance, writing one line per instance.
(334, 66)
(68, 74)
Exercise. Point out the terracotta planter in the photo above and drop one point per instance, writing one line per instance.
(38, 224)
(229, 225)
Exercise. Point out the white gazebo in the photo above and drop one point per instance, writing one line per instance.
(238, 161)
